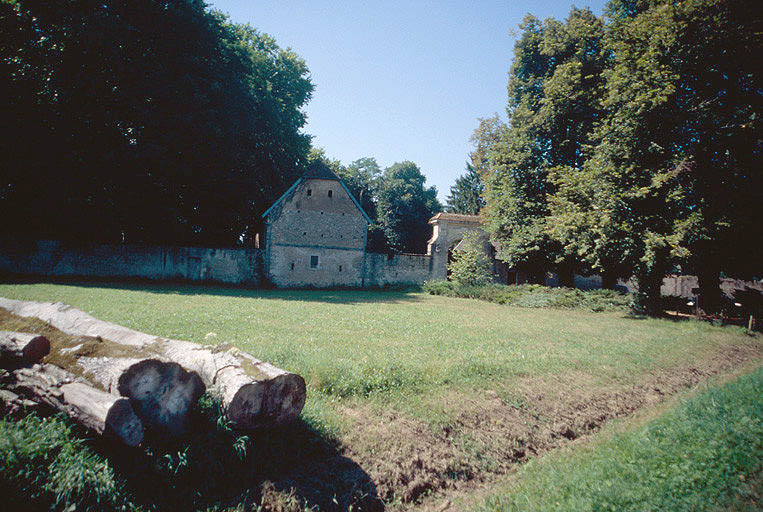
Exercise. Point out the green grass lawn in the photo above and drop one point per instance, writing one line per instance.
(474, 387)
(706, 454)
(356, 342)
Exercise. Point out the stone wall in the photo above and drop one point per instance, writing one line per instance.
(315, 236)
(51, 258)
(383, 269)
(684, 286)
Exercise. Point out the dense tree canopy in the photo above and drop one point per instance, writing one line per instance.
(466, 195)
(143, 121)
(405, 207)
(554, 90)
(633, 146)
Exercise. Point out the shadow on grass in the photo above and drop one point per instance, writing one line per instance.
(391, 295)
(290, 468)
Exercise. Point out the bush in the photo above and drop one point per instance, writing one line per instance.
(470, 265)
(534, 295)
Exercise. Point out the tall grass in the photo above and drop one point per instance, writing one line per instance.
(706, 454)
(46, 464)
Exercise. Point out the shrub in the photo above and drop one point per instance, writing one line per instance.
(470, 265)
(534, 295)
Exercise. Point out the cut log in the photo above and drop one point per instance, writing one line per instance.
(22, 349)
(101, 412)
(253, 393)
(161, 391)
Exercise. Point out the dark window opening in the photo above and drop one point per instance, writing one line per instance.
(309, 192)
(331, 193)
(340, 268)
(313, 261)
(304, 233)
(292, 266)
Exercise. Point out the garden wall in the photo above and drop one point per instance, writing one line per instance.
(51, 258)
(383, 269)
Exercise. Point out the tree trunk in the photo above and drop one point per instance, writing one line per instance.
(709, 278)
(11, 403)
(22, 349)
(648, 298)
(254, 393)
(97, 410)
(565, 275)
(608, 280)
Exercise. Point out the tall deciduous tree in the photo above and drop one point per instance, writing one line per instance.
(143, 121)
(466, 195)
(405, 207)
(674, 179)
(554, 89)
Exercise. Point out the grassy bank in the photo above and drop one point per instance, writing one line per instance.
(704, 455)
(410, 395)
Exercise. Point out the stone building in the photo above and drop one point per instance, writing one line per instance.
(315, 234)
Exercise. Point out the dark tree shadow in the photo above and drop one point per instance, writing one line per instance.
(387, 295)
(289, 468)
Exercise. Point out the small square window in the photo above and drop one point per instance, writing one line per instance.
(331, 193)
(309, 192)
(313, 261)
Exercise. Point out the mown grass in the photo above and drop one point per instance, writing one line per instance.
(706, 454)
(534, 296)
(397, 344)
(406, 351)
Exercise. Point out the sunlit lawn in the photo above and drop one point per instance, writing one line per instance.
(356, 343)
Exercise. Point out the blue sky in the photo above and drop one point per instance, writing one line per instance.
(400, 80)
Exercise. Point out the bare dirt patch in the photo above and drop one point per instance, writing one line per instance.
(414, 466)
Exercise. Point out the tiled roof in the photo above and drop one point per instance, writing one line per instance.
(319, 170)
(457, 217)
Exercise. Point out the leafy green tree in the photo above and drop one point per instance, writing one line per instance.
(673, 180)
(466, 195)
(484, 139)
(160, 121)
(554, 89)
(470, 265)
(405, 207)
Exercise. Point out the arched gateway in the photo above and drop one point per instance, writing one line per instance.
(448, 229)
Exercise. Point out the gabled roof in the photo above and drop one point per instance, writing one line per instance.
(317, 170)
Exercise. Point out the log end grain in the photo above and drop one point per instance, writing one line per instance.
(37, 348)
(161, 393)
(122, 422)
(267, 403)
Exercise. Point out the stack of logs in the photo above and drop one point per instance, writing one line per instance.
(119, 381)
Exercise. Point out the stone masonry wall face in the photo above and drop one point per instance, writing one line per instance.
(311, 223)
(51, 258)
